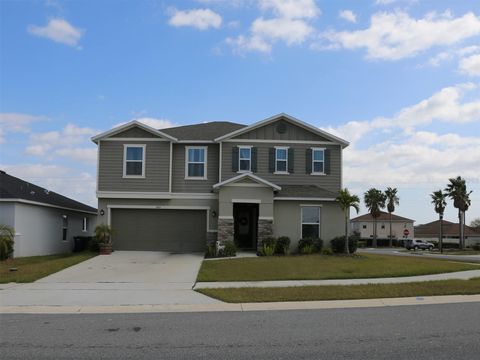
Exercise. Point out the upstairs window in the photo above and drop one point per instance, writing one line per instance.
(318, 161)
(196, 164)
(134, 161)
(244, 158)
(281, 160)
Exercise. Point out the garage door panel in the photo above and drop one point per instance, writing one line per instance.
(159, 230)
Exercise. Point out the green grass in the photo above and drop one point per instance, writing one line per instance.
(345, 292)
(33, 268)
(318, 267)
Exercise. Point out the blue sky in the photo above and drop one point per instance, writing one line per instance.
(399, 79)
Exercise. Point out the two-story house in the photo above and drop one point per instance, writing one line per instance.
(177, 189)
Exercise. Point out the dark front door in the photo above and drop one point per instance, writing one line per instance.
(245, 217)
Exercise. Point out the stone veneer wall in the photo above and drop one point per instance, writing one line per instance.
(265, 230)
(225, 230)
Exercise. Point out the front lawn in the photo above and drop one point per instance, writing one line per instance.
(318, 267)
(345, 292)
(33, 268)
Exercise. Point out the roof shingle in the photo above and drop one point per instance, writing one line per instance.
(449, 229)
(206, 131)
(384, 216)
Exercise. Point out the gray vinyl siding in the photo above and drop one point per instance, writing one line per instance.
(331, 182)
(292, 132)
(157, 165)
(180, 184)
(134, 132)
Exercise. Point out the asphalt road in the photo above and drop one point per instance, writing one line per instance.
(406, 332)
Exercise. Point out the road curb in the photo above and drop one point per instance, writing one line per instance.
(224, 307)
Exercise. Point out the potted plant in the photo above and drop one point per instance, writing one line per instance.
(103, 233)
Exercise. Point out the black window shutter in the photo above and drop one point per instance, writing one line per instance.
(291, 160)
(254, 159)
(271, 160)
(327, 161)
(308, 161)
(235, 159)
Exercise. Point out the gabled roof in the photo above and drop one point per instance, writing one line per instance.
(289, 118)
(305, 191)
(15, 189)
(384, 216)
(206, 131)
(130, 125)
(249, 176)
(431, 229)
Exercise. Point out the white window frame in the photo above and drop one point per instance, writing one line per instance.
(249, 147)
(85, 224)
(286, 160)
(65, 227)
(319, 219)
(205, 162)
(318, 161)
(125, 147)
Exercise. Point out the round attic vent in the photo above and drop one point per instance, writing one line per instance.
(281, 127)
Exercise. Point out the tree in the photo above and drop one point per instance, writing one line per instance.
(347, 201)
(393, 199)
(375, 201)
(7, 238)
(475, 224)
(457, 191)
(439, 202)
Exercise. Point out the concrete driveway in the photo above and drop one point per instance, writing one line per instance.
(122, 278)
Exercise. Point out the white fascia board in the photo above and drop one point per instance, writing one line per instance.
(305, 125)
(129, 125)
(30, 202)
(154, 195)
(249, 175)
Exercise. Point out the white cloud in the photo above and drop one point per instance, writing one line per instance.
(470, 65)
(450, 54)
(201, 19)
(17, 122)
(396, 35)
(58, 30)
(291, 9)
(348, 15)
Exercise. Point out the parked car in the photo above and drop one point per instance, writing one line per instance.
(418, 244)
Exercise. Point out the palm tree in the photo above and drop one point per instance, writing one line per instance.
(393, 200)
(375, 202)
(346, 201)
(438, 200)
(457, 191)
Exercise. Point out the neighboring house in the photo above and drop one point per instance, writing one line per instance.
(177, 189)
(402, 228)
(45, 222)
(430, 232)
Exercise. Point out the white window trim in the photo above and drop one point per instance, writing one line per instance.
(249, 160)
(85, 224)
(313, 161)
(65, 219)
(125, 147)
(204, 177)
(319, 219)
(286, 160)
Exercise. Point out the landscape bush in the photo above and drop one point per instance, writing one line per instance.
(317, 245)
(211, 251)
(282, 245)
(268, 246)
(338, 244)
(327, 251)
(306, 246)
(230, 248)
(7, 237)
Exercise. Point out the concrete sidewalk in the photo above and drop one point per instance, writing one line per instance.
(460, 275)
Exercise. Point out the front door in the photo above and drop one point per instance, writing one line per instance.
(245, 217)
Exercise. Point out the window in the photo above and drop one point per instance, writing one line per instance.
(196, 164)
(85, 224)
(281, 160)
(383, 226)
(64, 227)
(134, 161)
(244, 158)
(364, 226)
(318, 161)
(311, 222)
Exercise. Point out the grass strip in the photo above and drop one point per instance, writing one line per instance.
(345, 292)
(32, 268)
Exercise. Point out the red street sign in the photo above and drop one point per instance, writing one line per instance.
(406, 232)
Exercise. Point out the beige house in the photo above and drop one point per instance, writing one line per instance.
(402, 228)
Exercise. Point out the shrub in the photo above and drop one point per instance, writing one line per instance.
(268, 246)
(317, 245)
(283, 245)
(327, 251)
(306, 246)
(211, 251)
(230, 248)
(476, 247)
(94, 244)
(338, 244)
(7, 238)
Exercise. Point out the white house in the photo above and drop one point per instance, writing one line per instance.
(402, 228)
